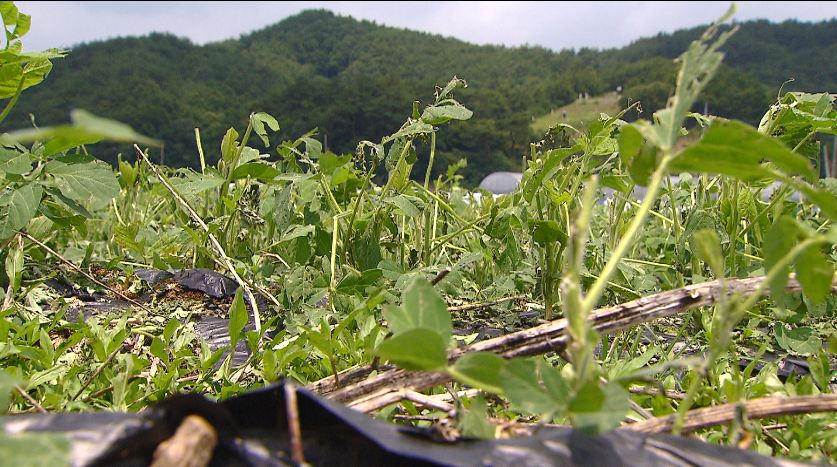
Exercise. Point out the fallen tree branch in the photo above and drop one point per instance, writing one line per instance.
(382, 389)
(29, 398)
(477, 306)
(753, 409)
(215, 243)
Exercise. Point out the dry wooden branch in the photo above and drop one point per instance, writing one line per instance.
(191, 445)
(427, 401)
(667, 393)
(346, 377)
(757, 408)
(383, 389)
(96, 373)
(477, 306)
(442, 274)
(29, 398)
(215, 243)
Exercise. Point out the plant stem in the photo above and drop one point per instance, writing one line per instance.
(430, 163)
(214, 241)
(12, 102)
(598, 288)
(714, 347)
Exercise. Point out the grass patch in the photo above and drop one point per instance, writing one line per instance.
(579, 113)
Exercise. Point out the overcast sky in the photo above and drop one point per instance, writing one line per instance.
(555, 25)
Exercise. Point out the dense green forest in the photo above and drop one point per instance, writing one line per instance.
(356, 79)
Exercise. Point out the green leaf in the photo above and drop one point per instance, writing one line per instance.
(737, 150)
(11, 75)
(14, 268)
(14, 162)
(35, 449)
(825, 200)
(481, 370)
(261, 119)
(544, 169)
(18, 207)
(257, 170)
(87, 182)
(108, 129)
(412, 129)
(699, 64)
(547, 232)
(416, 349)
(45, 376)
(367, 249)
(709, 250)
(800, 341)
(596, 409)
(86, 129)
(238, 317)
(630, 143)
(521, 385)
(159, 349)
(637, 154)
(820, 369)
(474, 421)
(229, 145)
(7, 385)
(357, 284)
(425, 308)
(322, 339)
(436, 114)
(409, 205)
(168, 332)
(194, 183)
(297, 231)
(781, 237)
(454, 83)
(66, 203)
(815, 273)
(644, 165)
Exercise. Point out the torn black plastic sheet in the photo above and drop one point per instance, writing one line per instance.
(253, 430)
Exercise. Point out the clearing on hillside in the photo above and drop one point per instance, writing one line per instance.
(578, 113)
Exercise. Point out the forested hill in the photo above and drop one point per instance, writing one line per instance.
(357, 80)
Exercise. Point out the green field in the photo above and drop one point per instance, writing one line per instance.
(580, 113)
(408, 298)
